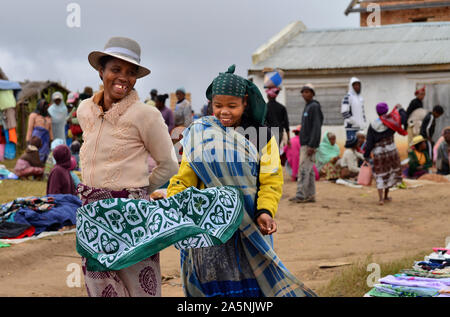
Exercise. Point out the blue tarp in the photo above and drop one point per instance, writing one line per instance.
(63, 214)
(9, 85)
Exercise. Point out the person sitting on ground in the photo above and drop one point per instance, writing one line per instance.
(349, 162)
(29, 164)
(328, 156)
(443, 154)
(419, 159)
(60, 181)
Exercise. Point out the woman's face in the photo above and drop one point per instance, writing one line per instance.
(422, 146)
(228, 109)
(180, 95)
(119, 78)
(332, 139)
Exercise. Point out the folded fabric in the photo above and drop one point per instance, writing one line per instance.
(116, 233)
(423, 273)
(4, 245)
(374, 292)
(407, 291)
(415, 281)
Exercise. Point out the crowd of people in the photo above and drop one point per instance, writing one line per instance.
(125, 148)
(372, 142)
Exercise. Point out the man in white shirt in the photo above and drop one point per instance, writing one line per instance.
(352, 109)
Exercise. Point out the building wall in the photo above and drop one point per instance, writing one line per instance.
(392, 88)
(408, 16)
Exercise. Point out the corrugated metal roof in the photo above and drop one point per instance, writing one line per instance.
(390, 45)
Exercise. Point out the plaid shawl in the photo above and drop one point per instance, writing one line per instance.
(221, 156)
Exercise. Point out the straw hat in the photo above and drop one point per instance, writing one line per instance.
(122, 48)
(417, 139)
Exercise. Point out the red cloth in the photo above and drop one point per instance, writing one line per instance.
(393, 121)
(27, 233)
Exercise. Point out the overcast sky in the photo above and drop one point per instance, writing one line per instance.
(185, 43)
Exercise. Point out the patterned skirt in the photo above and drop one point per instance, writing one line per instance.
(140, 280)
(386, 164)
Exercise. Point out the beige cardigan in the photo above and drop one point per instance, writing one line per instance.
(117, 144)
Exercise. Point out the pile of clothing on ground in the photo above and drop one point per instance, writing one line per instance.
(30, 216)
(7, 174)
(427, 278)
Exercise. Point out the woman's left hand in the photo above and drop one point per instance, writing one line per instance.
(266, 224)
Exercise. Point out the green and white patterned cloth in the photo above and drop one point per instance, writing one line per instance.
(116, 233)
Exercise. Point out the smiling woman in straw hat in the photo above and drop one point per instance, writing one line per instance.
(419, 160)
(119, 133)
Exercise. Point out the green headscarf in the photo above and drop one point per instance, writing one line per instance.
(229, 84)
(326, 152)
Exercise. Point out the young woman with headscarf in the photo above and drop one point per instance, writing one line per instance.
(380, 143)
(40, 125)
(60, 181)
(58, 112)
(234, 148)
(119, 133)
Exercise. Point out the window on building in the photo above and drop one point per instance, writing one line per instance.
(330, 99)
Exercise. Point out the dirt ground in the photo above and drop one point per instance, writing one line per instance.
(344, 225)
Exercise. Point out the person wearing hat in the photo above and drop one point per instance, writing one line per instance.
(310, 134)
(253, 165)
(58, 112)
(419, 159)
(119, 133)
(350, 159)
(352, 109)
(380, 142)
(183, 110)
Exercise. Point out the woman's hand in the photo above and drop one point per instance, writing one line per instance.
(266, 224)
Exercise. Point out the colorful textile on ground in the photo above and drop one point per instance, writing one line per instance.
(331, 171)
(62, 214)
(405, 291)
(386, 164)
(240, 169)
(41, 204)
(116, 233)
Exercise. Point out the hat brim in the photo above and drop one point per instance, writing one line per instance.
(94, 60)
(307, 88)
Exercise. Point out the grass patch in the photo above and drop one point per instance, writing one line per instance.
(12, 189)
(352, 281)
